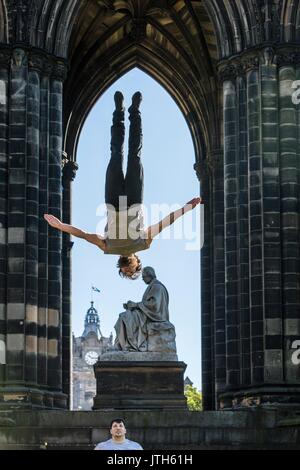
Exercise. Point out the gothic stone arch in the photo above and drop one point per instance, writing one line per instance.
(231, 68)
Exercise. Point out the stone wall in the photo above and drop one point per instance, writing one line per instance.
(65, 430)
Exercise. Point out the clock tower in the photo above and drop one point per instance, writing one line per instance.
(86, 350)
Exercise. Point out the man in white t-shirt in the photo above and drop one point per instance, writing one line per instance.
(118, 440)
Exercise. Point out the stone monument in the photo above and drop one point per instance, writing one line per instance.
(142, 370)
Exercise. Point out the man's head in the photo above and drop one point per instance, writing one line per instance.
(117, 429)
(130, 267)
(148, 274)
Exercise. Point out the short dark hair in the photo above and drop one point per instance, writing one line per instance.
(117, 420)
(125, 262)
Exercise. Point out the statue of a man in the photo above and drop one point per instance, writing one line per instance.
(132, 327)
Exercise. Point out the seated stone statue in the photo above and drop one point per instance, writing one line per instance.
(145, 326)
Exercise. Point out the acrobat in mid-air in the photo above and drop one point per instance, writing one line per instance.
(125, 234)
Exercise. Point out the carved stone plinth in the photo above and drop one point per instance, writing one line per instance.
(140, 385)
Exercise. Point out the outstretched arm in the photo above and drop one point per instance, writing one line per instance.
(93, 238)
(155, 229)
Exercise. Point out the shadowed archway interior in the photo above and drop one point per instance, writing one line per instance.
(175, 44)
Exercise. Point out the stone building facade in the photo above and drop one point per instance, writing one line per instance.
(86, 350)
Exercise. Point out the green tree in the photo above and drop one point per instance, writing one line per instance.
(194, 398)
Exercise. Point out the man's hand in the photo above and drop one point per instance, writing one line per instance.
(53, 221)
(131, 305)
(194, 202)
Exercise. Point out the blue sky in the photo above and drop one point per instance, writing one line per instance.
(168, 158)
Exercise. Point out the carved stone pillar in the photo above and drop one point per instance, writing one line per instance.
(30, 159)
(215, 160)
(208, 383)
(5, 58)
(262, 255)
(69, 172)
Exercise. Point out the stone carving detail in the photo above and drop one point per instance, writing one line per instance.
(69, 168)
(138, 28)
(60, 70)
(47, 65)
(232, 68)
(36, 62)
(17, 15)
(287, 58)
(202, 169)
(19, 57)
(5, 57)
(215, 159)
(212, 162)
(250, 63)
(42, 62)
(258, 12)
(268, 55)
(267, 19)
(276, 11)
(238, 67)
(227, 72)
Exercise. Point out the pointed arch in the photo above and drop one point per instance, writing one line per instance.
(171, 49)
(173, 82)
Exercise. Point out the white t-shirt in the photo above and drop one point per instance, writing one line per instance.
(111, 445)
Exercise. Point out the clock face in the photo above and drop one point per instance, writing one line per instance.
(91, 357)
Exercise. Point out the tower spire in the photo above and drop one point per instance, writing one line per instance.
(92, 322)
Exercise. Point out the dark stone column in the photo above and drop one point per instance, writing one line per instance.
(43, 233)
(286, 329)
(207, 336)
(211, 175)
(32, 224)
(4, 80)
(16, 275)
(262, 256)
(242, 226)
(54, 325)
(215, 159)
(54, 239)
(231, 232)
(69, 172)
(30, 304)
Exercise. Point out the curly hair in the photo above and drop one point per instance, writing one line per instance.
(125, 262)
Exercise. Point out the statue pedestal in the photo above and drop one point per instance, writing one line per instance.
(139, 385)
